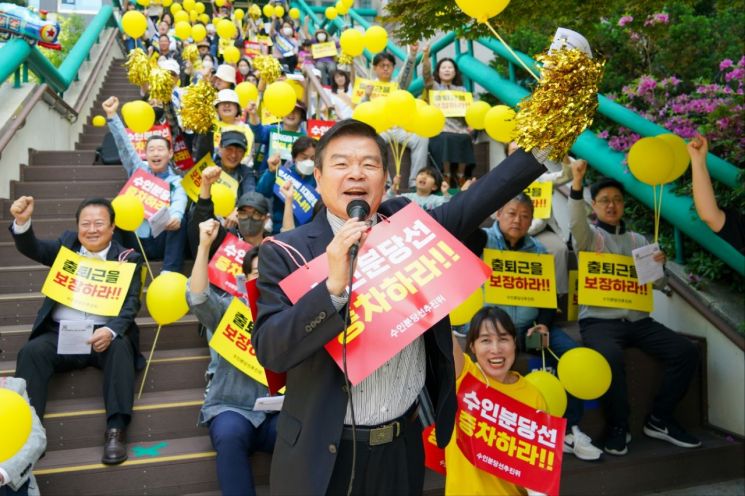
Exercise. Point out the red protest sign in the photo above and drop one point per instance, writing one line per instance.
(318, 127)
(226, 263)
(181, 155)
(410, 274)
(274, 380)
(434, 456)
(155, 193)
(509, 439)
(139, 140)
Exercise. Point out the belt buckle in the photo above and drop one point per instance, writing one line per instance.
(384, 434)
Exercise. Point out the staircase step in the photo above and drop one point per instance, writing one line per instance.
(55, 189)
(181, 334)
(180, 466)
(72, 424)
(46, 208)
(73, 173)
(45, 228)
(40, 157)
(170, 369)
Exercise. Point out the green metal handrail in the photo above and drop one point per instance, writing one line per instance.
(18, 52)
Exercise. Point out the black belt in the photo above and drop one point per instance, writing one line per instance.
(383, 433)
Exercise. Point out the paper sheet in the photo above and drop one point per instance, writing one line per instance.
(159, 221)
(647, 270)
(73, 337)
(269, 403)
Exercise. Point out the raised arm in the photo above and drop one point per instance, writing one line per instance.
(582, 233)
(127, 153)
(429, 81)
(703, 191)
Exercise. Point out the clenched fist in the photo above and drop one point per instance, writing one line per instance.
(110, 106)
(22, 208)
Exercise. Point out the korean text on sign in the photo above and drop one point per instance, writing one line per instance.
(452, 103)
(520, 279)
(153, 192)
(321, 50)
(379, 89)
(193, 179)
(410, 274)
(181, 155)
(304, 197)
(281, 143)
(608, 280)
(232, 341)
(88, 284)
(318, 127)
(509, 439)
(542, 195)
(139, 140)
(226, 263)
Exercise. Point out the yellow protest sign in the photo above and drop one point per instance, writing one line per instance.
(452, 103)
(88, 284)
(320, 50)
(572, 300)
(379, 89)
(193, 179)
(609, 280)
(221, 127)
(542, 194)
(520, 279)
(264, 39)
(232, 341)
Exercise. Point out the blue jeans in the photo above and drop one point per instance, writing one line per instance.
(168, 246)
(559, 342)
(235, 439)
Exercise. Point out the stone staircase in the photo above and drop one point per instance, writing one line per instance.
(168, 453)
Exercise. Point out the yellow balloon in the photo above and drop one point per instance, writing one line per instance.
(166, 298)
(481, 10)
(463, 313)
(681, 159)
(352, 42)
(226, 29)
(384, 117)
(189, 4)
(15, 423)
(247, 92)
(144, 3)
(499, 123)
(128, 212)
(280, 98)
(166, 3)
(279, 11)
(341, 8)
(584, 373)
(268, 10)
(402, 105)
(204, 19)
(295, 13)
(366, 112)
(183, 30)
(231, 55)
(181, 16)
(220, 3)
(99, 121)
(193, 16)
(429, 121)
(331, 13)
(475, 114)
(175, 8)
(199, 7)
(551, 389)
(223, 198)
(651, 160)
(134, 24)
(376, 38)
(348, 3)
(139, 116)
(239, 14)
(198, 33)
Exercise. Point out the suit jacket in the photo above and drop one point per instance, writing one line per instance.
(19, 466)
(291, 338)
(45, 252)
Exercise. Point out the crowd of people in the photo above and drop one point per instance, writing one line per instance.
(320, 442)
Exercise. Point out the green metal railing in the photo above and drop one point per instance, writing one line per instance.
(17, 57)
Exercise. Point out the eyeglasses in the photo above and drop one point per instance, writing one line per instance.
(618, 200)
(253, 214)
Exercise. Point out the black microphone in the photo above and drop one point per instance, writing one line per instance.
(358, 209)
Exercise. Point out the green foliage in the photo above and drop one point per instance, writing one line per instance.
(71, 28)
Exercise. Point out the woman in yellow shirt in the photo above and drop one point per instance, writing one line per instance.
(492, 340)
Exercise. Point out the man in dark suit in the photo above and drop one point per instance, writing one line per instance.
(115, 340)
(313, 452)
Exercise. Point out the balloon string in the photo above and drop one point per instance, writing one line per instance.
(149, 359)
(509, 48)
(543, 358)
(659, 212)
(401, 155)
(552, 353)
(396, 163)
(147, 263)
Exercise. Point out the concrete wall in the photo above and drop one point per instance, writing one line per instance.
(45, 128)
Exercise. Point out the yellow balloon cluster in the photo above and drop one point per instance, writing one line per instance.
(279, 98)
(584, 373)
(15, 423)
(139, 116)
(166, 298)
(128, 212)
(659, 159)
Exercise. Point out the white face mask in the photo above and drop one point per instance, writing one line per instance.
(321, 37)
(287, 31)
(305, 167)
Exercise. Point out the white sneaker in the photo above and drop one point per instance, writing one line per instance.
(581, 445)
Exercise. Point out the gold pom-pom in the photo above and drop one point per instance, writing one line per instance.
(344, 59)
(138, 67)
(267, 68)
(161, 85)
(563, 104)
(197, 107)
(190, 53)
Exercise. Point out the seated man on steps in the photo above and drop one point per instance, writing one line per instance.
(610, 330)
(115, 340)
